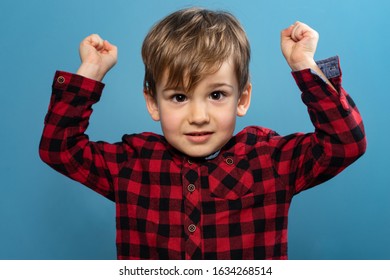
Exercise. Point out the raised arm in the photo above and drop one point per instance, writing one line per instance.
(64, 145)
(305, 160)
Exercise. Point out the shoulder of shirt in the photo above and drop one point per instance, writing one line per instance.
(144, 139)
(261, 133)
(248, 138)
(147, 144)
(251, 135)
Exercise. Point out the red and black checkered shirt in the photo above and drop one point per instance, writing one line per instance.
(232, 206)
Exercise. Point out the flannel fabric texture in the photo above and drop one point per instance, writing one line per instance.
(232, 206)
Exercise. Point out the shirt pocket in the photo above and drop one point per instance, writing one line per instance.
(230, 178)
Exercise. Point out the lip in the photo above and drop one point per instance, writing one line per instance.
(198, 137)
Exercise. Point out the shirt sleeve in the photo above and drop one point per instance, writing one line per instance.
(306, 160)
(65, 146)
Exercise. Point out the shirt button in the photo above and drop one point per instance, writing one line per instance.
(191, 187)
(189, 161)
(61, 79)
(229, 160)
(191, 228)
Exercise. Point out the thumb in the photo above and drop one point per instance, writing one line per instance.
(286, 33)
(109, 47)
(296, 32)
(96, 41)
(111, 51)
(302, 31)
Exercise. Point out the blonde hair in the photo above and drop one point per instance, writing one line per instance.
(192, 43)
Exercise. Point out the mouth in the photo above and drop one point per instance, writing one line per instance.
(200, 133)
(198, 137)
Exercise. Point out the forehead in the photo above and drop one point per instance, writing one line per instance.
(221, 75)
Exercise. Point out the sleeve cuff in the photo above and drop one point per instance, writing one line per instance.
(330, 67)
(307, 78)
(73, 83)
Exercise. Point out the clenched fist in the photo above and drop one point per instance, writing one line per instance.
(299, 43)
(98, 56)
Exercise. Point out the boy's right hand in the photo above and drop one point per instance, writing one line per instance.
(98, 56)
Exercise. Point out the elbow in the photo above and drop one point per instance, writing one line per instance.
(361, 140)
(44, 154)
(52, 158)
(358, 147)
(352, 148)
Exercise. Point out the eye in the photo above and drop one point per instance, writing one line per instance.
(179, 98)
(217, 95)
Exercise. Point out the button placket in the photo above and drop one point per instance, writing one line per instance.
(191, 183)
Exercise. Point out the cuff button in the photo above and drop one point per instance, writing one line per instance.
(61, 79)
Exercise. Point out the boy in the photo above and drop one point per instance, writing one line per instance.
(198, 192)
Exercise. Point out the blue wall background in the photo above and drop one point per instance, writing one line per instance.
(44, 215)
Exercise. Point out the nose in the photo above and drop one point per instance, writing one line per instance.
(198, 113)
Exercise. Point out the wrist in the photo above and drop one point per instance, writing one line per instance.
(91, 71)
(301, 65)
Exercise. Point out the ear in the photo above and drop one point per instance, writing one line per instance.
(152, 106)
(244, 101)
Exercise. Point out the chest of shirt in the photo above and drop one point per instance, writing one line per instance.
(227, 184)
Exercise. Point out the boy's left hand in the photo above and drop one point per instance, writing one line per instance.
(299, 43)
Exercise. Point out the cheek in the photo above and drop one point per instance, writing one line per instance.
(226, 120)
(170, 121)
(227, 123)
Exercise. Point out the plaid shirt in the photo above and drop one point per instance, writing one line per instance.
(230, 206)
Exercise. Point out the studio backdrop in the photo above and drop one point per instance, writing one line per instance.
(44, 215)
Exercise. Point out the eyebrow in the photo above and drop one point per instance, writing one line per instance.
(220, 85)
(213, 85)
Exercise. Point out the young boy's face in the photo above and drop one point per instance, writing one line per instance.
(200, 122)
